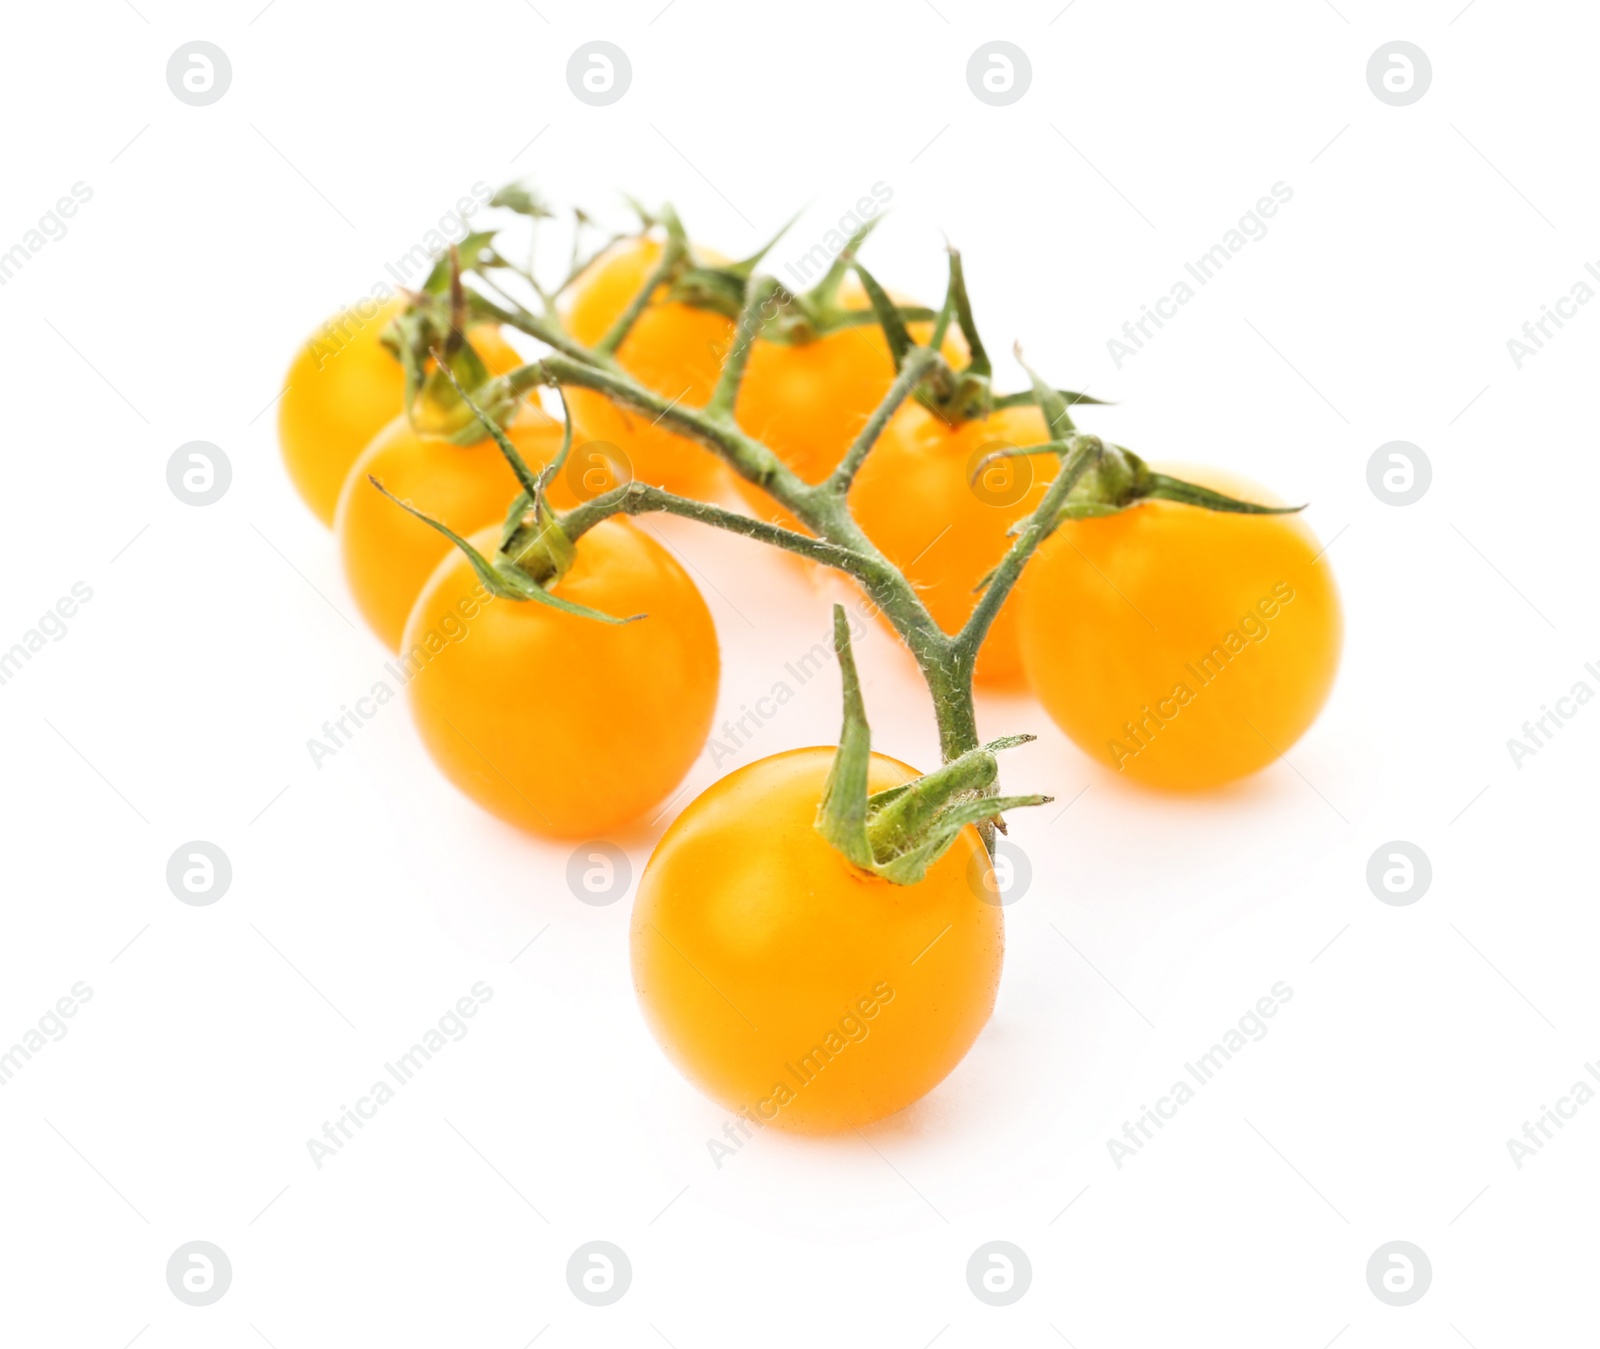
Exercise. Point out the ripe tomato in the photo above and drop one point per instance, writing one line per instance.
(342, 388)
(807, 401)
(388, 554)
(559, 724)
(788, 985)
(918, 500)
(673, 349)
(1183, 647)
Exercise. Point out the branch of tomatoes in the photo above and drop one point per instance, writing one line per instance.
(537, 543)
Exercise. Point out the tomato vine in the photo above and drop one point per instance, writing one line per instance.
(537, 543)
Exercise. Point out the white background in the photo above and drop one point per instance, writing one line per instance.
(367, 896)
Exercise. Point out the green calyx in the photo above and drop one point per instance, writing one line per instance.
(540, 555)
(789, 317)
(535, 551)
(899, 833)
(967, 394)
(1116, 478)
(955, 396)
(1119, 478)
(430, 342)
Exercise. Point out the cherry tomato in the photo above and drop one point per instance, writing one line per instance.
(673, 349)
(788, 985)
(923, 500)
(342, 388)
(1182, 647)
(560, 724)
(389, 554)
(807, 401)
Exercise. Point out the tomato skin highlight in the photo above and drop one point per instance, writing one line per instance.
(791, 987)
(388, 554)
(1185, 647)
(672, 349)
(916, 499)
(341, 389)
(562, 725)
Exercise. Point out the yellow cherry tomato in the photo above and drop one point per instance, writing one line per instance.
(1182, 647)
(923, 499)
(342, 388)
(791, 987)
(672, 349)
(559, 724)
(807, 401)
(388, 554)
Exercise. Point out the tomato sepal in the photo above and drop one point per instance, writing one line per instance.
(898, 833)
(888, 315)
(1161, 487)
(1120, 478)
(440, 364)
(542, 560)
(470, 254)
(1027, 398)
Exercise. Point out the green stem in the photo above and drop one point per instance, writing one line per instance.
(549, 332)
(748, 457)
(637, 498)
(758, 295)
(918, 362)
(823, 512)
(1081, 452)
(672, 253)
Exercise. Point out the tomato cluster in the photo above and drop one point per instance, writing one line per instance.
(564, 666)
